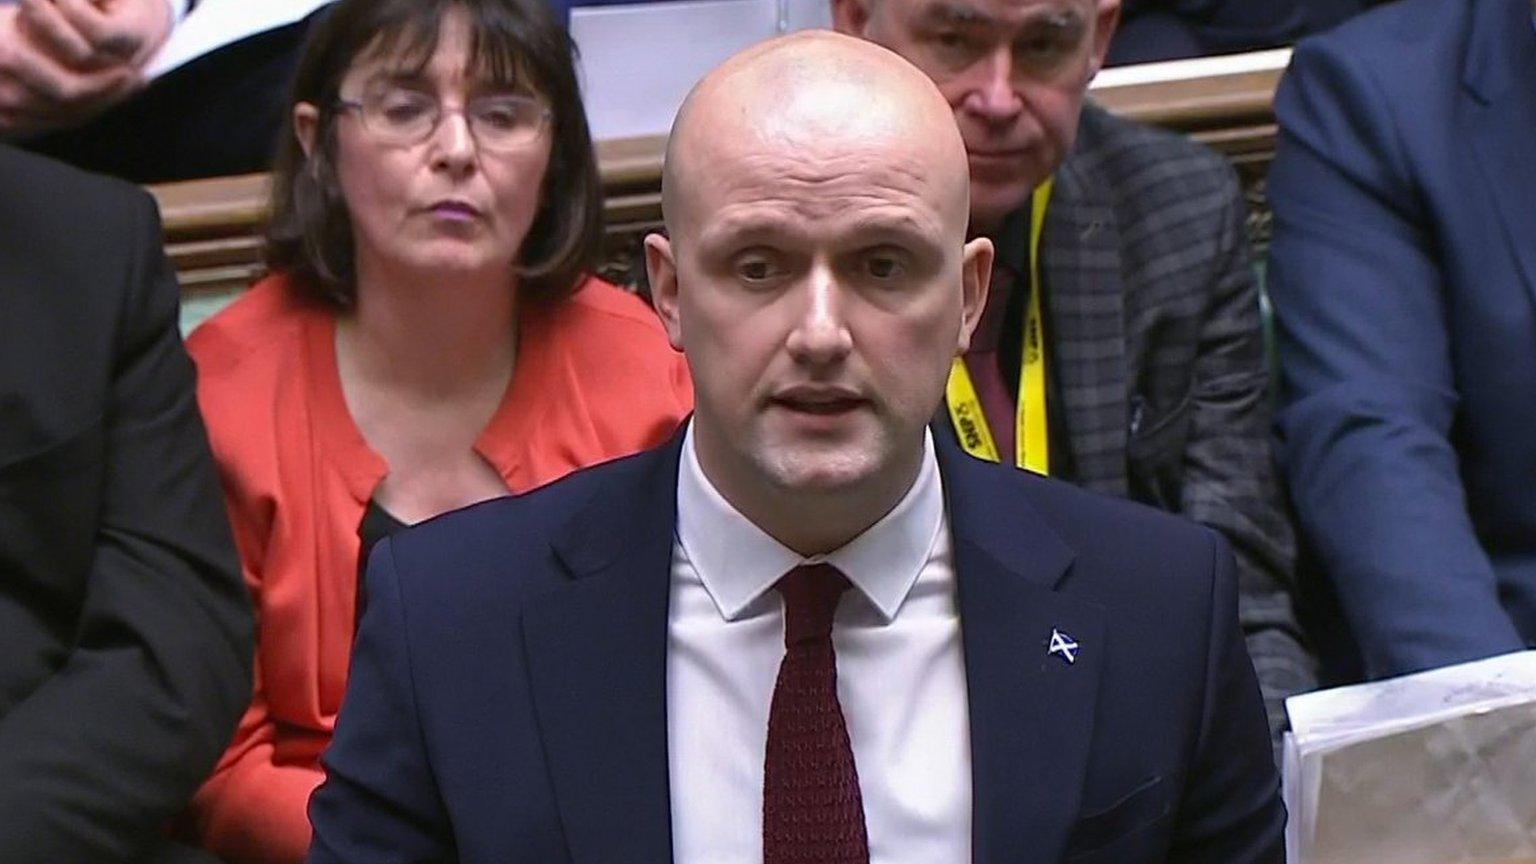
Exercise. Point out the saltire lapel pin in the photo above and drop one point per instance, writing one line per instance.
(1063, 646)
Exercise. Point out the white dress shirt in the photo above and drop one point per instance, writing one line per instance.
(900, 676)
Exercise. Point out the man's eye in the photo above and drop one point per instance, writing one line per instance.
(1053, 44)
(1044, 48)
(884, 267)
(755, 270)
(954, 42)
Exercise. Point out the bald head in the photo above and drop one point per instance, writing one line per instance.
(815, 95)
(817, 277)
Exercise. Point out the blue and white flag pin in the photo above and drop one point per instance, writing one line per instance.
(1063, 645)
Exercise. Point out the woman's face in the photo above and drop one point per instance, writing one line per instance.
(446, 205)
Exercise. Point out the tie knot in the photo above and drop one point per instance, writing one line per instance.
(810, 592)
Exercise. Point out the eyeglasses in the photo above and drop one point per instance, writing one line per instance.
(403, 117)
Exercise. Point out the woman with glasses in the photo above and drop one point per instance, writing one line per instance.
(429, 338)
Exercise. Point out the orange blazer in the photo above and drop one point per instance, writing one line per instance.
(595, 380)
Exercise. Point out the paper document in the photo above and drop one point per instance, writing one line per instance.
(639, 60)
(1438, 767)
(216, 23)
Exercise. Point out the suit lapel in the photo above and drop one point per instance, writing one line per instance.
(1081, 266)
(1031, 711)
(596, 650)
(1501, 79)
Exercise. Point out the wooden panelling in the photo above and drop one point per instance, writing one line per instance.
(212, 227)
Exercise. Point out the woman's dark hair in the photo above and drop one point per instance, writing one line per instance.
(513, 43)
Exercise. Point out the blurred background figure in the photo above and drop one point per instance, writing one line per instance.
(1403, 280)
(125, 634)
(430, 338)
(75, 84)
(1153, 30)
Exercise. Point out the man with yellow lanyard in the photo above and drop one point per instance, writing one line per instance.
(1121, 347)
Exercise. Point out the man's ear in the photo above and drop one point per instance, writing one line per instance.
(306, 119)
(661, 269)
(975, 281)
(850, 17)
(1106, 18)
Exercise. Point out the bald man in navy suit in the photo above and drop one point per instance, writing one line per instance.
(805, 630)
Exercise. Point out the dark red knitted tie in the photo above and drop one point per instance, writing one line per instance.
(812, 810)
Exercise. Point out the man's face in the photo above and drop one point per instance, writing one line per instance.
(820, 289)
(1014, 71)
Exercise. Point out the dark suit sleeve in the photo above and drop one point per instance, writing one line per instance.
(1232, 811)
(379, 803)
(1244, 25)
(1168, 29)
(1370, 394)
(1230, 480)
(98, 758)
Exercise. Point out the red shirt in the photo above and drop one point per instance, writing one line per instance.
(595, 379)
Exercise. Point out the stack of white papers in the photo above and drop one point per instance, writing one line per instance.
(1438, 767)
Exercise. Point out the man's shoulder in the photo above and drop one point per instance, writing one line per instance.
(1148, 576)
(71, 230)
(1079, 513)
(1141, 167)
(46, 198)
(1397, 35)
(1409, 54)
(1122, 538)
(76, 259)
(505, 547)
(1175, 207)
(1116, 538)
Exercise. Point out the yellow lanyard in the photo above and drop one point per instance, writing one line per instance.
(1032, 440)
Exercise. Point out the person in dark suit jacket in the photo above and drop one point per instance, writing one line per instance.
(1156, 30)
(1156, 384)
(72, 87)
(1404, 284)
(125, 631)
(973, 663)
(219, 115)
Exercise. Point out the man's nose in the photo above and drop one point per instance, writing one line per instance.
(993, 98)
(821, 335)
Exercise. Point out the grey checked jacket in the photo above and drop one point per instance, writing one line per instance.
(1158, 353)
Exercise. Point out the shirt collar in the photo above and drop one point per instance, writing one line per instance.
(738, 562)
(1012, 241)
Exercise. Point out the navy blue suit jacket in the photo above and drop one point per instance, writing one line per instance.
(1404, 281)
(508, 694)
(1152, 30)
